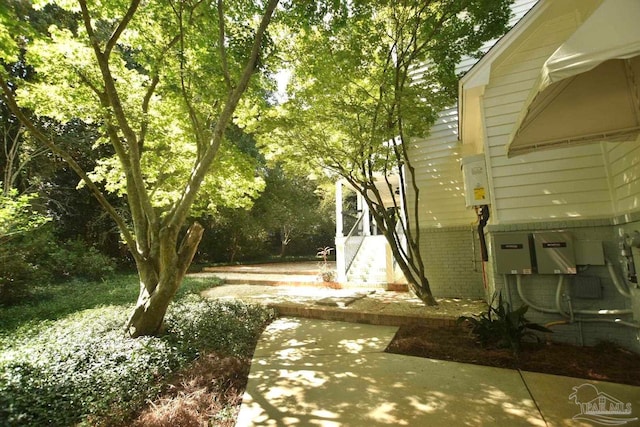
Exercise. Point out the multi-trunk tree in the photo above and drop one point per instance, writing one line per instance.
(162, 81)
(367, 77)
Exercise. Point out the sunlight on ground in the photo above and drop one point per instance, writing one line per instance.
(383, 413)
(367, 300)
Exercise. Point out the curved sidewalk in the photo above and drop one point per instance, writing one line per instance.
(308, 372)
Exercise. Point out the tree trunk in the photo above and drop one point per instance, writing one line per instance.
(160, 277)
(419, 291)
(417, 281)
(420, 288)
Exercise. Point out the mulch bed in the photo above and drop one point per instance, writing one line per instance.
(605, 362)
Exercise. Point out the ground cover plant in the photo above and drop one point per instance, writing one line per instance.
(64, 358)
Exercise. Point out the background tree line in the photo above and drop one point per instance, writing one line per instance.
(52, 230)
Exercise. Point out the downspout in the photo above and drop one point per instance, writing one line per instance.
(483, 217)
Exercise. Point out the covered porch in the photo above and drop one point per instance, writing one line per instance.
(363, 256)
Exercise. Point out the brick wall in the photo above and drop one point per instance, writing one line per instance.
(452, 261)
(540, 290)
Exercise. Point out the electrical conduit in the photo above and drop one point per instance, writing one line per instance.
(570, 316)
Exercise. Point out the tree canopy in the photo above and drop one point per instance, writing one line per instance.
(159, 85)
(161, 81)
(366, 79)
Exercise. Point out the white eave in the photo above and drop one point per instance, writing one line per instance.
(472, 84)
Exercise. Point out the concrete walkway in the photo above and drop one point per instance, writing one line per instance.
(308, 372)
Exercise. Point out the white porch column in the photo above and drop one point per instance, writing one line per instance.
(339, 220)
(366, 216)
(340, 239)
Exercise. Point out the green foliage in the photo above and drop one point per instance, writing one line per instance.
(18, 226)
(75, 259)
(294, 208)
(17, 215)
(55, 301)
(502, 327)
(196, 323)
(36, 258)
(177, 112)
(292, 216)
(232, 235)
(80, 368)
(355, 82)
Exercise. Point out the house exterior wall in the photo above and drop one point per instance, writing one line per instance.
(624, 169)
(561, 183)
(436, 160)
(448, 246)
(450, 250)
(452, 261)
(591, 191)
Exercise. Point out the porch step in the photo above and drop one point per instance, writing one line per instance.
(369, 265)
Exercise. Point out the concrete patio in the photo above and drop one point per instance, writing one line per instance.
(314, 372)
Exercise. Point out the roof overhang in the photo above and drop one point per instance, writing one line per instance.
(387, 186)
(587, 90)
(471, 86)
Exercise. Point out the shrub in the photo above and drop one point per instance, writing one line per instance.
(35, 257)
(19, 267)
(20, 231)
(74, 258)
(503, 327)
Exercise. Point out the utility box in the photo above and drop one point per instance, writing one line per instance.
(554, 252)
(512, 253)
(589, 252)
(476, 184)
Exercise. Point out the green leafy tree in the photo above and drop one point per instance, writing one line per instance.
(17, 216)
(18, 219)
(292, 207)
(162, 81)
(366, 78)
(292, 216)
(233, 235)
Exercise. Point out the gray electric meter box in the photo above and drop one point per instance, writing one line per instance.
(512, 253)
(554, 252)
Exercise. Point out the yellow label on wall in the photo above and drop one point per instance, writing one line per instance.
(478, 193)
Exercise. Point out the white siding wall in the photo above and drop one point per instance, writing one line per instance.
(552, 184)
(624, 161)
(437, 159)
(437, 163)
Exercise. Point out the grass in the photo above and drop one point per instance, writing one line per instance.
(65, 361)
